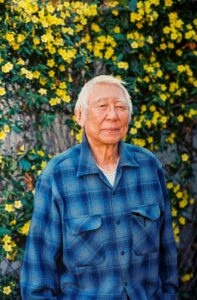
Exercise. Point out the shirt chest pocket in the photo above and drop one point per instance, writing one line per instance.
(83, 245)
(146, 229)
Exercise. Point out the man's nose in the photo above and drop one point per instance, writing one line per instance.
(112, 113)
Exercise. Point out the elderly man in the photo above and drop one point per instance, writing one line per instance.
(101, 227)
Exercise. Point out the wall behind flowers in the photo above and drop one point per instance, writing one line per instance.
(48, 50)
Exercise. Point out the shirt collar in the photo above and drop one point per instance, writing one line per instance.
(87, 163)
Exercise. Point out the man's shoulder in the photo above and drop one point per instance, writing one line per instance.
(142, 153)
(66, 160)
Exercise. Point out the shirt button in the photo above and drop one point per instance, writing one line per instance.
(125, 283)
(118, 222)
(122, 252)
(113, 193)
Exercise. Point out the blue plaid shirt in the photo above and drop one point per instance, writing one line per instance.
(89, 240)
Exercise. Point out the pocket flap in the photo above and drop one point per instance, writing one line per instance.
(151, 212)
(83, 223)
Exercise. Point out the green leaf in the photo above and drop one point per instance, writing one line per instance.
(25, 164)
(133, 4)
(47, 119)
(16, 129)
(4, 231)
(13, 165)
(123, 2)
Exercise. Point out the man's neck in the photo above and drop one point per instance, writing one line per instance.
(106, 156)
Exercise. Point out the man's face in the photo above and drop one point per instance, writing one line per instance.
(107, 116)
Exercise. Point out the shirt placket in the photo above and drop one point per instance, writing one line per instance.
(120, 223)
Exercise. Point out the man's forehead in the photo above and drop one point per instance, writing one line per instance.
(109, 99)
(107, 91)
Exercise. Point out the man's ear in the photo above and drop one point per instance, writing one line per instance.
(80, 117)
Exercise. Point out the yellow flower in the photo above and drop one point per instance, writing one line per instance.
(149, 40)
(166, 29)
(79, 136)
(7, 290)
(123, 65)
(54, 101)
(143, 108)
(186, 277)
(6, 239)
(25, 228)
(36, 40)
(152, 108)
(133, 130)
(183, 203)
(173, 87)
(116, 29)
(2, 91)
(6, 129)
(181, 68)
(182, 220)
(62, 85)
(190, 34)
(17, 204)
(163, 46)
(139, 142)
(150, 139)
(43, 81)
(168, 3)
(164, 119)
(95, 27)
(184, 157)
(176, 229)
(169, 185)
(42, 91)
(62, 68)
(180, 118)
(20, 38)
(51, 73)
(66, 98)
(138, 124)
(40, 153)
(176, 188)
(43, 164)
(36, 74)
(134, 45)
(192, 112)
(179, 52)
(13, 222)
(163, 97)
(7, 247)
(163, 87)
(115, 12)
(109, 52)
(148, 123)
(159, 74)
(179, 195)
(7, 67)
(50, 63)
(174, 212)
(170, 45)
(9, 208)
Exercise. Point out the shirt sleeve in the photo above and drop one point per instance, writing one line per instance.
(168, 253)
(39, 272)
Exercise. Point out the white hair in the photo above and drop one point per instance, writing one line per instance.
(82, 101)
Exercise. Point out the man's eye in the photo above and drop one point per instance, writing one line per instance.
(121, 107)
